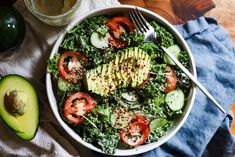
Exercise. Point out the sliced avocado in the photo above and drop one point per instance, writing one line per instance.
(92, 79)
(113, 83)
(129, 68)
(124, 69)
(104, 79)
(116, 70)
(19, 105)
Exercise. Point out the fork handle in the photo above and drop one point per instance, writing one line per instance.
(195, 81)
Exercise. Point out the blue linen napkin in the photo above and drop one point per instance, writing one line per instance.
(206, 130)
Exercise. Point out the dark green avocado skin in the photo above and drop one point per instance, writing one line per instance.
(12, 28)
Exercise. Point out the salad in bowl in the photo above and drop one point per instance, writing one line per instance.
(113, 92)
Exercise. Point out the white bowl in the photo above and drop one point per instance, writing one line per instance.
(178, 123)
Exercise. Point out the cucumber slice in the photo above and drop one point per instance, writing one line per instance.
(99, 41)
(62, 84)
(156, 123)
(175, 50)
(175, 99)
(130, 96)
(129, 104)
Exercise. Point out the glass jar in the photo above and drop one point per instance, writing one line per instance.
(53, 12)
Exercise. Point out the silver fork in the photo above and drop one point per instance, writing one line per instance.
(144, 27)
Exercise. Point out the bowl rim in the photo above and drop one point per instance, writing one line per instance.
(139, 149)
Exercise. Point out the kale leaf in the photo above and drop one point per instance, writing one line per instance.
(165, 37)
(156, 81)
(184, 82)
(103, 135)
(52, 66)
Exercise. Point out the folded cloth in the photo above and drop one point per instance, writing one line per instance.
(205, 129)
(29, 60)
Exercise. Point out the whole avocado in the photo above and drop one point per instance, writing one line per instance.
(12, 28)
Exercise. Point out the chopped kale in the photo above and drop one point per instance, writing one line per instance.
(165, 38)
(52, 66)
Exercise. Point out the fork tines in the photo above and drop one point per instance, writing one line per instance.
(139, 21)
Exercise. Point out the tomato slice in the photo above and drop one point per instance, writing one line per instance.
(171, 80)
(77, 105)
(140, 118)
(116, 43)
(70, 66)
(143, 84)
(118, 26)
(136, 133)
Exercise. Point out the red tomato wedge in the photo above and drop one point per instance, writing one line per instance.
(171, 80)
(77, 105)
(118, 26)
(136, 133)
(70, 66)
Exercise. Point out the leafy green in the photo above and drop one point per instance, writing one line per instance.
(133, 39)
(52, 66)
(155, 106)
(108, 142)
(158, 132)
(150, 48)
(104, 111)
(156, 82)
(104, 135)
(102, 30)
(165, 38)
(184, 82)
(159, 100)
